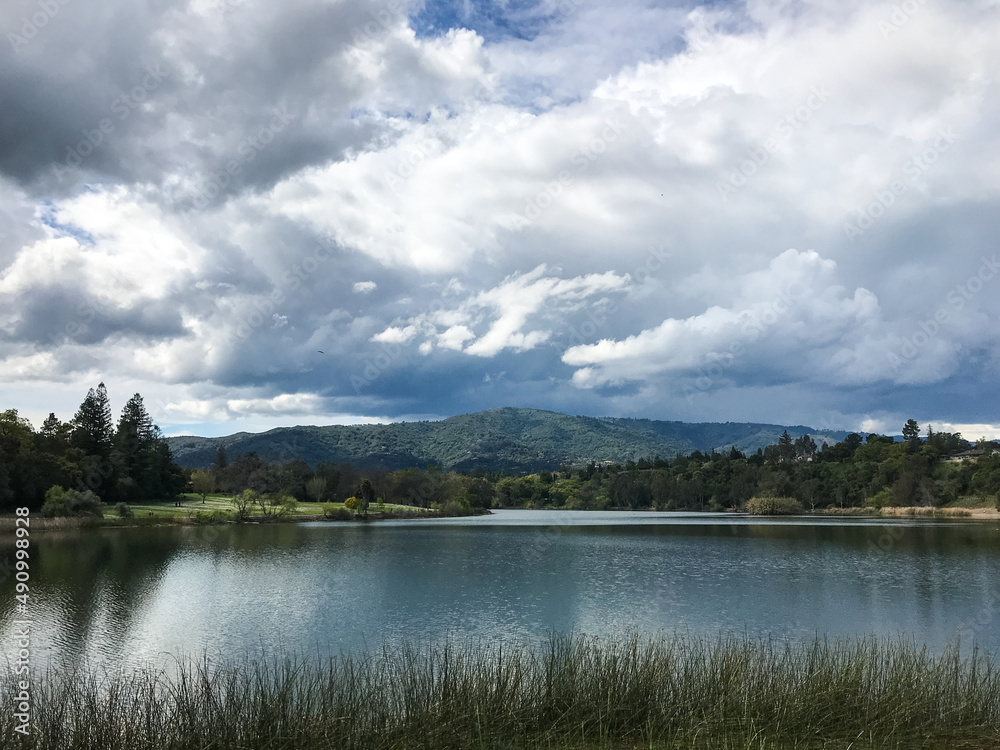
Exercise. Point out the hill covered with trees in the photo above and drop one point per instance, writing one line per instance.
(508, 439)
(791, 475)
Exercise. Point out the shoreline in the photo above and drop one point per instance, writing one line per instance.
(7, 522)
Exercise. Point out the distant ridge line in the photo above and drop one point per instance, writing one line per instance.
(512, 439)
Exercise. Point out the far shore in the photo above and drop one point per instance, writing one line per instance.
(7, 521)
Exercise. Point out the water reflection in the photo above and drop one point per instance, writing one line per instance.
(134, 595)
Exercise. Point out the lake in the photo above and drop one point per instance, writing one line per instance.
(130, 596)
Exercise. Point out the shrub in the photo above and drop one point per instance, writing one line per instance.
(334, 511)
(210, 516)
(882, 499)
(773, 506)
(273, 505)
(62, 502)
(243, 503)
(123, 510)
(353, 503)
(453, 508)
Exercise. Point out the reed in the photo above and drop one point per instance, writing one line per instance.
(571, 692)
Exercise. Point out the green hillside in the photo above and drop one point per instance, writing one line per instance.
(506, 439)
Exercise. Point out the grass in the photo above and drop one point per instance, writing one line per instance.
(191, 503)
(973, 501)
(191, 509)
(571, 692)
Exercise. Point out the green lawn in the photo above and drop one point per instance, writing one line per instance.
(191, 503)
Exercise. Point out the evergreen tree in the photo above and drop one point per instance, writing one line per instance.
(135, 427)
(135, 444)
(51, 426)
(221, 462)
(93, 426)
(786, 448)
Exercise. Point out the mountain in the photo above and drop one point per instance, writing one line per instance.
(508, 439)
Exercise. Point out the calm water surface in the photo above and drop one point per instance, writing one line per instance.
(138, 595)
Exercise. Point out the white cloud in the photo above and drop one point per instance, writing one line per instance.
(590, 144)
(395, 335)
(971, 432)
(502, 313)
(791, 311)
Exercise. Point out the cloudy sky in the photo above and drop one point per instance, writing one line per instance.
(334, 211)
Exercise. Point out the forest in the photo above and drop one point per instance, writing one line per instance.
(874, 471)
(90, 457)
(129, 461)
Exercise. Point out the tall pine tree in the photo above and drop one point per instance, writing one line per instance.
(93, 425)
(135, 451)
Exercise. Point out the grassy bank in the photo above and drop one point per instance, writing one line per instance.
(572, 692)
(190, 509)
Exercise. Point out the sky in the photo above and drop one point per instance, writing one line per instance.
(261, 214)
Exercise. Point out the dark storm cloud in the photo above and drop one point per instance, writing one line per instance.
(140, 91)
(51, 316)
(168, 168)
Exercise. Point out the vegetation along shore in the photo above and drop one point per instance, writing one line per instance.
(569, 692)
(93, 469)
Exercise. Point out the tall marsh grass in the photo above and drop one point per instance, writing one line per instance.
(571, 692)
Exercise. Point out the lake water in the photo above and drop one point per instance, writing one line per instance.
(139, 595)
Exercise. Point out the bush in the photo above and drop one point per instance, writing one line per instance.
(332, 510)
(210, 516)
(773, 506)
(69, 503)
(273, 505)
(882, 499)
(123, 510)
(453, 508)
(353, 503)
(243, 503)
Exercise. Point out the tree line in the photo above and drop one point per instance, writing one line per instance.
(872, 471)
(129, 461)
(336, 483)
(123, 462)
